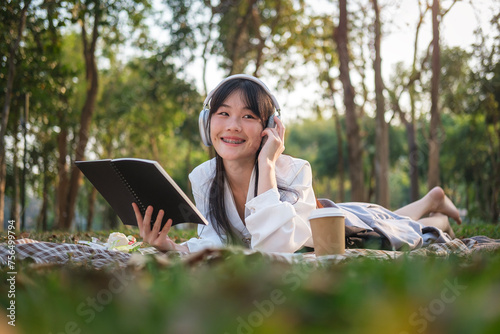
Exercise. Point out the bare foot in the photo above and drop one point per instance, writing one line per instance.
(442, 204)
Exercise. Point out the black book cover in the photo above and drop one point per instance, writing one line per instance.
(145, 182)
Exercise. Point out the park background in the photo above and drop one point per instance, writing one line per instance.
(379, 123)
(96, 79)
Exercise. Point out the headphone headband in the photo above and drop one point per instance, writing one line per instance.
(247, 77)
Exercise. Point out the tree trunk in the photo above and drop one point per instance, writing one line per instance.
(62, 173)
(205, 51)
(411, 136)
(15, 209)
(413, 156)
(434, 140)
(371, 180)
(24, 123)
(495, 207)
(353, 130)
(91, 208)
(42, 218)
(340, 149)
(414, 160)
(236, 59)
(86, 117)
(6, 107)
(381, 128)
(262, 39)
(494, 139)
(340, 156)
(112, 218)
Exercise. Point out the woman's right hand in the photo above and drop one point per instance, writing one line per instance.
(154, 236)
(273, 142)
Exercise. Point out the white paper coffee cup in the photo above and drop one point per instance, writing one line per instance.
(328, 231)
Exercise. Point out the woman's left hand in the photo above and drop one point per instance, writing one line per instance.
(156, 235)
(273, 142)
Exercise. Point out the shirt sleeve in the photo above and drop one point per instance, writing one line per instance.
(283, 226)
(207, 236)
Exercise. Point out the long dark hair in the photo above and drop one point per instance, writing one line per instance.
(261, 104)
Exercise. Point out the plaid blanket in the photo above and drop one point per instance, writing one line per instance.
(54, 253)
(63, 253)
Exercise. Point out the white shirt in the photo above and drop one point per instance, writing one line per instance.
(272, 224)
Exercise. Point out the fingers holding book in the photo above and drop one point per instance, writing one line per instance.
(156, 236)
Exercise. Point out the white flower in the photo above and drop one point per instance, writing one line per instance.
(117, 239)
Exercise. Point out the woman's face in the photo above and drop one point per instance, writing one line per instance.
(236, 132)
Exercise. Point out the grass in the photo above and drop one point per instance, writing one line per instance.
(468, 230)
(249, 294)
(177, 234)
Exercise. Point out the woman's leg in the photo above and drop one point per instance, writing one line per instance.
(440, 221)
(435, 201)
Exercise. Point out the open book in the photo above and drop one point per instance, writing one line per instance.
(145, 182)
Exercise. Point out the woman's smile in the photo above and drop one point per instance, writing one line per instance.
(233, 140)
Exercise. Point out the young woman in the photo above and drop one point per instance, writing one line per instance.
(250, 192)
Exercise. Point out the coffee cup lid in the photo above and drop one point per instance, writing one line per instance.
(326, 212)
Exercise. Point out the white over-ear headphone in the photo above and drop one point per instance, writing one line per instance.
(203, 122)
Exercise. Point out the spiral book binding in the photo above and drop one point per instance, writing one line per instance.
(138, 201)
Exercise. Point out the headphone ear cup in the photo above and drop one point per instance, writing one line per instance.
(204, 127)
(270, 122)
